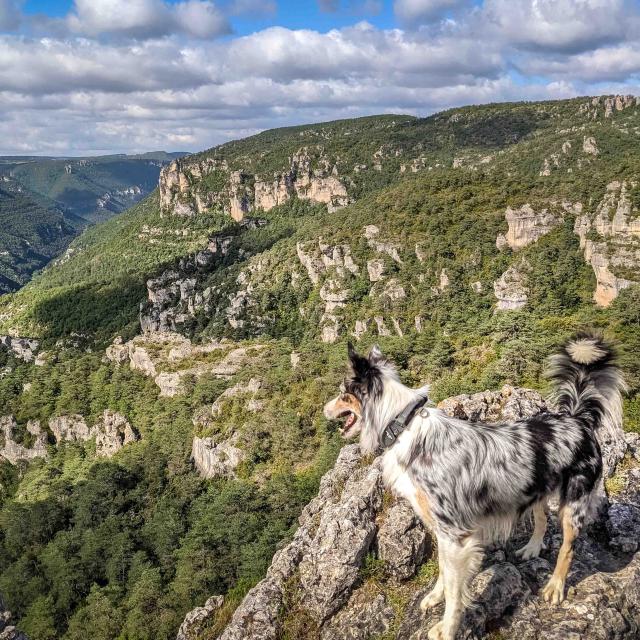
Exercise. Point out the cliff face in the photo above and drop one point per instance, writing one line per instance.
(611, 241)
(190, 187)
(360, 561)
(526, 226)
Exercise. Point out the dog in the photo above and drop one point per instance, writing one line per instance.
(471, 482)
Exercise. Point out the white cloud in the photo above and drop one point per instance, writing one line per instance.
(131, 76)
(561, 25)
(147, 18)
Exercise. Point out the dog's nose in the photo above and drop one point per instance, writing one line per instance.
(329, 410)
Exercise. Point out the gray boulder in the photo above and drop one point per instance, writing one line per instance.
(196, 621)
(403, 542)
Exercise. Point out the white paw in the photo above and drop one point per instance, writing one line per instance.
(529, 551)
(554, 591)
(432, 599)
(436, 632)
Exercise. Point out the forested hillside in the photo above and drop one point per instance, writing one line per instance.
(163, 428)
(46, 202)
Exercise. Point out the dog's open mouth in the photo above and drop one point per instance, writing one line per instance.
(351, 424)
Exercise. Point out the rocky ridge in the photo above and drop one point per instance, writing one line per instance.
(112, 432)
(189, 187)
(321, 581)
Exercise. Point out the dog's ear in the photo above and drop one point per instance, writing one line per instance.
(359, 364)
(375, 355)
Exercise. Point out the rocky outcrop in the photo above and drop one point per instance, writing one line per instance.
(197, 620)
(375, 269)
(608, 105)
(216, 460)
(322, 571)
(526, 226)
(112, 433)
(190, 186)
(590, 146)
(508, 404)
(402, 542)
(168, 359)
(176, 296)
(318, 258)
(371, 232)
(15, 452)
(22, 348)
(511, 289)
(71, 428)
(611, 242)
(7, 630)
(332, 265)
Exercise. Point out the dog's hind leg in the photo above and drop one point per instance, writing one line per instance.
(460, 562)
(536, 542)
(570, 519)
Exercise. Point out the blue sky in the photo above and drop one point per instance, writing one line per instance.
(100, 76)
(292, 14)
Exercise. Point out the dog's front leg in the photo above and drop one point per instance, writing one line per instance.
(436, 595)
(460, 561)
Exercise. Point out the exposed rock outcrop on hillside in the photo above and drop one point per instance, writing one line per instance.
(320, 582)
(112, 433)
(71, 428)
(177, 294)
(13, 451)
(511, 288)
(216, 459)
(526, 226)
(607, 105)
(7, 630)
(168, 358)
(611, 242)
(22, 348)
(189, 186)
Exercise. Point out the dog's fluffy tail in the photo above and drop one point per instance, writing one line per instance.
(587, 382)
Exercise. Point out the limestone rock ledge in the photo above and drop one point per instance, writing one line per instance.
(611, 242)
(322, 570)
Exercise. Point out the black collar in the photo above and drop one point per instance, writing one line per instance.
(393, 430)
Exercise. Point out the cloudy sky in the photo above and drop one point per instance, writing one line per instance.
(99, 76)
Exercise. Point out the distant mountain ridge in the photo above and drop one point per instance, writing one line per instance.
(46, 201)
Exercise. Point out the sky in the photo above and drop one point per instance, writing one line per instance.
(85, 77)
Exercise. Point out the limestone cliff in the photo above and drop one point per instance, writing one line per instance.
(190, 186)
(353, 568)
(610, 238)
(526, 226)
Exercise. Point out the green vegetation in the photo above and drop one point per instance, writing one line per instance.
(123, 547)
(46, 202)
